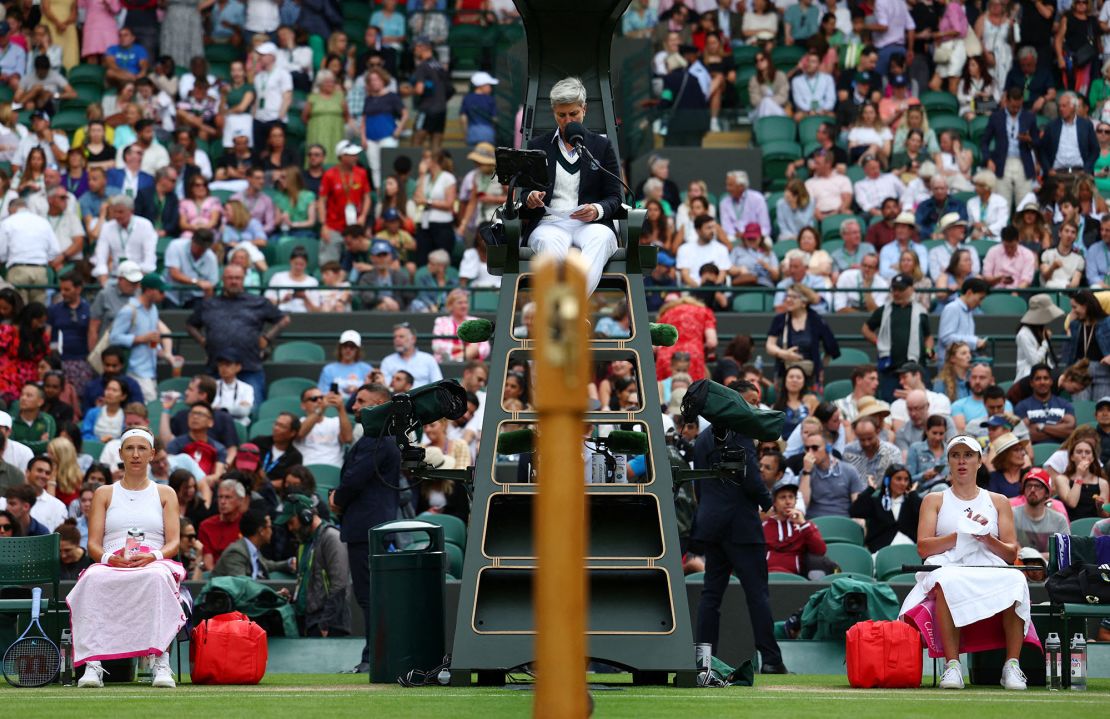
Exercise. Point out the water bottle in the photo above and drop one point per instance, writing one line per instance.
(1079, 663)
(1052, 660)
(66, 649)
(144, 669)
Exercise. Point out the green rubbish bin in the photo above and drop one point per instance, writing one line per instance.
(407, 590)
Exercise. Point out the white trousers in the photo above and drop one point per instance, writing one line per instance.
(597, 243)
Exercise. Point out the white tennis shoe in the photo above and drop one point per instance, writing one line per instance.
(162, 674)
(1012, 676)
(953, 677)
(93, 676)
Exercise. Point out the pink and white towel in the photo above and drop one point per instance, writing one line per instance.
(118, 613)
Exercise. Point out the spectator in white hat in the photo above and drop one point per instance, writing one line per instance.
(987, 212)
(348, 372)
(273, 87)
(479, 110)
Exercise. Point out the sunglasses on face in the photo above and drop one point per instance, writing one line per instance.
(6, 527)
(813, 448)
(317, 398)
(189, 536)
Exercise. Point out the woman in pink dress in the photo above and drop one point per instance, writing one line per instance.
(101, 31)
(455, 350)
(697, 332)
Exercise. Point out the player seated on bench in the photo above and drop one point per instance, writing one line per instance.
(577, 208)
(129, 604)
(975, 603)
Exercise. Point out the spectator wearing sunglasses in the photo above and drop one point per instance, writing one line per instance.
(828, 485)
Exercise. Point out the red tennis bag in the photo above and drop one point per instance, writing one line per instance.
(884, 654)
(228, 649)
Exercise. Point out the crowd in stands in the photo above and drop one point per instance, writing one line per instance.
(938, 156)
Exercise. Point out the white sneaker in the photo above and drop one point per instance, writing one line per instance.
(714, 124)
(93, 676)
(162, 675)
(1012, 676)
(953, 677)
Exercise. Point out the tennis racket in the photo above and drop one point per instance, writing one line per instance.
(32, 661)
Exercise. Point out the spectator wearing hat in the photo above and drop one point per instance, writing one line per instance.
(344, 200)
(348, 372)
(905, 239)
(876, 186)
(900, 331)
(294, 287)
(14, 453)
(851, 282)
(752, 261)
(478, 112)
(1034, 338)
(901, 98)
(191, 261)
(1009, 264)
(855, 92)
(988, 212)
(236, 319)
(233, 395)
(741, 206)
(125, 237)
(790, 538)
(480, 192)
(136, 326)
(53, 143)
(1049, 418)
(273, 87)
(13, 58)
(377, 287)
(830, 189)
(1036, 519)
(1009, 461)
(27, 247)
(953, 232)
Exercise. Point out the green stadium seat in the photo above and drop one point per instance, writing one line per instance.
(838, 389)
(259, 428)
(87, 94)
(6, 93)
(851, 357)
(775, 129)
(841, 530)
(807, 128)
(1083, 527)
(889, 560)
(700, 577)
(68, 120)
(1042, 451)
(852, 558)
(454, 560)
(87, 73)
(276, 405)
(289, 387)
(939, 102)
(907, 578)
(1004, 304)
(830, 578)
(978, 126)
(509, 35)
(781, 247)
(940, 123)
(743, 74)
(93, 448)
(786, 57)
(222, 54)
(299, 352)
(830, 226)
(174, 384)
(483, 301)
(1084, 411)
(271, 271)
(785, 578)
(982, 247)
(454, 529)
(752, 302)
(326, 476)
(468, 45)
(831, 246)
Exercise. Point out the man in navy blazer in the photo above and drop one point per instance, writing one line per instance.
(578, 207)
(130, 179)
(1069, 144)
(731, 536)
(1015, 167)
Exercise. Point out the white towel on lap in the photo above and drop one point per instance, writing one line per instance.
(118, 613)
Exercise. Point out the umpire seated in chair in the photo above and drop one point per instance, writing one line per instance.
(586, 198)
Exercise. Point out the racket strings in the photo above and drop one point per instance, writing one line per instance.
(31, 662)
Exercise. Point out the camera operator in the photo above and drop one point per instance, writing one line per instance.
(366, 497)
(729, 530)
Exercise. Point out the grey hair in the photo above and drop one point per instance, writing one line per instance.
(16, 204)
(850, 221)
(652, 184)
(122, 201)
(794, 254)
(738, 176)
(439, 256)
(321, 77)
(568, 91)
(938, 180)
(1069, 95)
(162, 172)
(1027, 51)
(235, 486)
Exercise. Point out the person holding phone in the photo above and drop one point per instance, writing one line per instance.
(1009, 264)
(321, 438)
